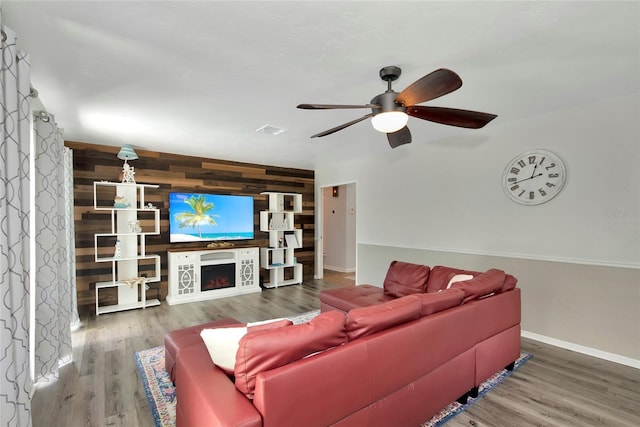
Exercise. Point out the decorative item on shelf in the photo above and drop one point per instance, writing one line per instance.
(136, 281)
(220, 245)
(128, 173)
(121, 202)
(292, 241)
(118, 249)
(135, 227)
(278, 225)
(150, 206)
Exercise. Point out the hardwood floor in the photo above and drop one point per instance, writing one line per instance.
(101, 387)
(338, 278)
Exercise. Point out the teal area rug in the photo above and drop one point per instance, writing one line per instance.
(161, 393)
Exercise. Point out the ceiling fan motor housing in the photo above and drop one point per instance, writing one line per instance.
(387, 102)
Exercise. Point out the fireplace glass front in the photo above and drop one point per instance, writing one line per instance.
(217, 276)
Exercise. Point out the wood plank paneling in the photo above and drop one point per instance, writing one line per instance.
(173, 172)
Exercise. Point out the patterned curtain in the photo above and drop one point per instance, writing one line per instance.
(54, 287)
(70, 236)
(15, 369)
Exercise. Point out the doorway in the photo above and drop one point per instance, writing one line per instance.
(337, 240)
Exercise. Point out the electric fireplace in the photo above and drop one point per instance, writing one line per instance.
(217, 276)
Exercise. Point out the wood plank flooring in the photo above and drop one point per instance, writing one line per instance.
(101, 387)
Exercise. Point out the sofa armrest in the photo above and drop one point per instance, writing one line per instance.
(206, 396)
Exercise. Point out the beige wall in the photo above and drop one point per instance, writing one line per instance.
(590, 308)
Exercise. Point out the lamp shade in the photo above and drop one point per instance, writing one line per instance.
(127, 153)
(390, 121)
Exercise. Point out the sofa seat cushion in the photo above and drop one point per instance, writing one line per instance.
(404, 278)
(439, 301)
(440, 276)
(484, 284)
(347, 299)
(269, 349)
(365, 321)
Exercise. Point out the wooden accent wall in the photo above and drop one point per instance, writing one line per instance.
(174, 172)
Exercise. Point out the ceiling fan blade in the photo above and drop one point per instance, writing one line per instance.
(451, 116)
(398, 138)
(431, 86)
(333, 107)
(342, 126)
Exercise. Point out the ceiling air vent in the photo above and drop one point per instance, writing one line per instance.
(271, 129)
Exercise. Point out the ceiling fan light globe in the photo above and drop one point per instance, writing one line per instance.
(390, 121)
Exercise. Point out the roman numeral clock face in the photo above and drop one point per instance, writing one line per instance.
(534, 177)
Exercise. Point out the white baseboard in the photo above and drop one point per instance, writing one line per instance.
(612, 357)
(340, 269)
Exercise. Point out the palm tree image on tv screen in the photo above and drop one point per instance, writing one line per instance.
(198, 217)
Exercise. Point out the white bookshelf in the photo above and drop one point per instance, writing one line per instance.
(284, 238)
(123, 227)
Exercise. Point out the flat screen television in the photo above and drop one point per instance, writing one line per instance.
(198, 217)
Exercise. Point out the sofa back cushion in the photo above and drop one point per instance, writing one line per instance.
(365, 321)
(439, 301)
(268, 349)
(510, 282)
(440, 276)
(483, 284)
(404, 278)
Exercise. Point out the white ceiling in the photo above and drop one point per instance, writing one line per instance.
(199, 77)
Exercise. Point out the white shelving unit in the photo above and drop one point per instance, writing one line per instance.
(124, 227)
(284, 238)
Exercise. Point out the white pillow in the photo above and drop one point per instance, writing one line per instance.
(459, 278)
(265, 322)
(222, 344)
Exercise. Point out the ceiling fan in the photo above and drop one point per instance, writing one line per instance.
(390, 110)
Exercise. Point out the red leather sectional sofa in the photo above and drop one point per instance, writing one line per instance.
(391, 356)
(492, 294)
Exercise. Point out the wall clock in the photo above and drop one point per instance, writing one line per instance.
(534, 177)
